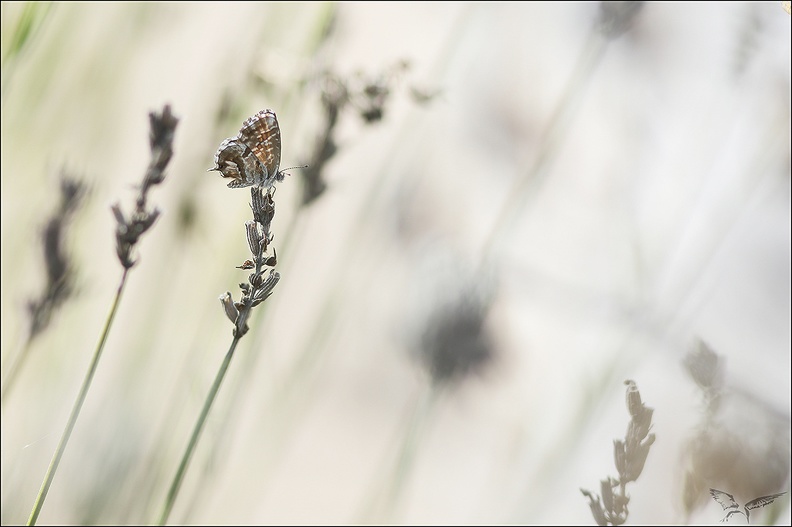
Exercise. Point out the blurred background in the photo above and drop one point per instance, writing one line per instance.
(511, 209)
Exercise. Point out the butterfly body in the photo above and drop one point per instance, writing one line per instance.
(252, 157)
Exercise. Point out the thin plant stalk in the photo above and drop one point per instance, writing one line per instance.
(53, 466)
(173, 492)
(255, 292)
(129, 229)
(614, 19)
(555, 133)
(248, 369)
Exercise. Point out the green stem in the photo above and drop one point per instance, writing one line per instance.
(177, 481)
(53, 467)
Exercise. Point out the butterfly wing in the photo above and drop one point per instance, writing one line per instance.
(261, 134)
(228, 159)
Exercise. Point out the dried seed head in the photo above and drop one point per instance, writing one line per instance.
(161, 134)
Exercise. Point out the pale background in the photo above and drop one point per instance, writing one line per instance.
(662, 218)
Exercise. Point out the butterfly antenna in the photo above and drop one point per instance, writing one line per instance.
(285, 169)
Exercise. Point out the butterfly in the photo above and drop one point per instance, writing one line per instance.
(252, 157)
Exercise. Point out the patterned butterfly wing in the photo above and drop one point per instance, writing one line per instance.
(252, 157)
(261, 134)
(228, 159)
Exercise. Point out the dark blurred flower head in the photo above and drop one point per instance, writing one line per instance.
(454, 341)
(60, 268)
(615, 18)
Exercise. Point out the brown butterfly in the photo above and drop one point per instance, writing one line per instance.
(252, 157)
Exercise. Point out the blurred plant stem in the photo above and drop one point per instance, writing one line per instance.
(614, 19)
(173, 492)
(24, 33)
(383, 506)
(552, 139)
(128, 232)
(75, 413)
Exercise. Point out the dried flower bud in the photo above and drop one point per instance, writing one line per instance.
(147, 220)
(228, 306)
(119, 215)
(596, 508)
(255, 236)
(619, 509)
(161, 139)
(263, 292)
(620, 457)
(606, 488)
(634, 404)
(642, 453)
(263, 206)
(639, 426)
